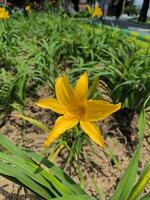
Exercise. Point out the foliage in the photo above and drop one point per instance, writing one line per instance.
(29, 169)
(131, 10)
(35, 50)
(128, 188)
(33, 171)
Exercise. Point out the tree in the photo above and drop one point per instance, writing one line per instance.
(76, 5)
(144, 10)
(118, 5)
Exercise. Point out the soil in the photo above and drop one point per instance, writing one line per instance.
(119, 137)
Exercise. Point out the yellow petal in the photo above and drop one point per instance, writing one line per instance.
(92, 131)
(81, 88)
(98, 109)
(65, 94)
(61, 125)
(52, 104)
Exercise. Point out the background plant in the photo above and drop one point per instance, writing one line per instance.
(35, 50)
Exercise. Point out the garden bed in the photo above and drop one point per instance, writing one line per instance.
(101, 167)
(36, 50)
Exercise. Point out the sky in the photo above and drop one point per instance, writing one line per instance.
(138, 2)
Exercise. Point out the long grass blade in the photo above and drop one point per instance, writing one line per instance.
(146, 197)
(23, 178)
(33, 121)
(141, 184)
(75, 197)
(127, 181)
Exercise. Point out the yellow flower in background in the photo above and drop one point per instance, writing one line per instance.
(28, 9)
(74, 107)
(4, 14)
(97, 11)
(94, 11)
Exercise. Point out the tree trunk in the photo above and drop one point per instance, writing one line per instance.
(76, 5)
(144, 10)
(118, 8)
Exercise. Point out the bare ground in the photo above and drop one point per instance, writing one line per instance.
(119, 137)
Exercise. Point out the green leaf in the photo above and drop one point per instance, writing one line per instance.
(127, 181)
(99, 190)
(113, 157)
(142, 120)
(146, 197)
(75, 197)
(141, 184)
(94, 86)
(12, 148)
(33, 121)
(142, 124)
(23, 178)
(34, 168)
(61, 175)
(29, 166)
(32, 171)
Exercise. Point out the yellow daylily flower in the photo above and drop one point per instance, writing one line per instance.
(4, 14)
(97, 11)
(74, 107)
(28, 9)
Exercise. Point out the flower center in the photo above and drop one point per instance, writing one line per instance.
(79, 112)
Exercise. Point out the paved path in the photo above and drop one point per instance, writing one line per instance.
(131, 26)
